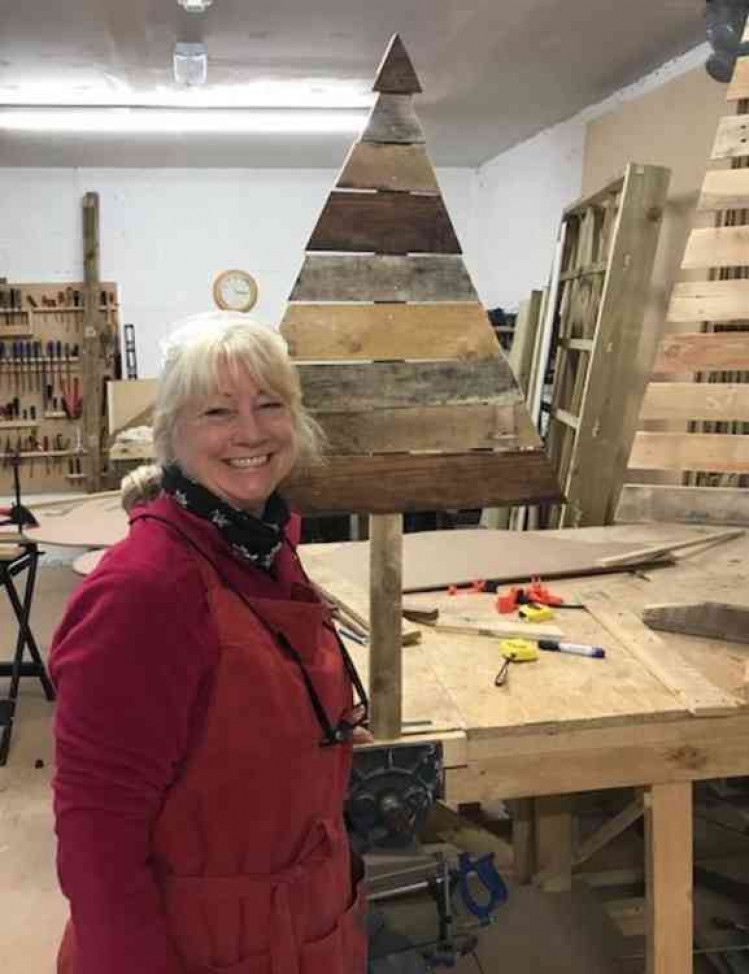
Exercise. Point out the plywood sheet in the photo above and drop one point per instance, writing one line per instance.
(697, 352)
(400, 168)
(385, 223)
(393, 119)
(387, 331)
(716, 301)
(436, 559)
(427, 277)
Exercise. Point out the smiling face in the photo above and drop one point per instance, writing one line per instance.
(239, 442)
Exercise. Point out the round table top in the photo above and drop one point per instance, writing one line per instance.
(96, 523)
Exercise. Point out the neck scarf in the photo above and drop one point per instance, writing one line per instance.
(256, 540)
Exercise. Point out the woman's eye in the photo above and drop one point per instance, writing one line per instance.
(216, 411)
(271, 404)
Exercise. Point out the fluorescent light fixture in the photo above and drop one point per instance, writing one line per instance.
(190, 63)
(195, 6)
(114, 121)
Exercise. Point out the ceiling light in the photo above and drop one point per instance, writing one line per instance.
(190, 63)
(195, 6)
(156, 121)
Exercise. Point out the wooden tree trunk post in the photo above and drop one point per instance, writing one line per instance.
(385, 669)
(91, 379)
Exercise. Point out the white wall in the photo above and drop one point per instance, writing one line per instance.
(166, 233)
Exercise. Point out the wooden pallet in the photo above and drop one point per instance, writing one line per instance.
(608, 243)
(699, 388)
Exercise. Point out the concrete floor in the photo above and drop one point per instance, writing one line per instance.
(534, 933)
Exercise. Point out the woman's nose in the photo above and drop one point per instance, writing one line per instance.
(246, 427)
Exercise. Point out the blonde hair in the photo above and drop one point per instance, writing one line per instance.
(194, 354)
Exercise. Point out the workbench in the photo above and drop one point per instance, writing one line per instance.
(566, 724)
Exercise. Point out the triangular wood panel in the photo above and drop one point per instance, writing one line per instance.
(707, 441)
(398, 361)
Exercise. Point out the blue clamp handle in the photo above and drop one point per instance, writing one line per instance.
(490, 879)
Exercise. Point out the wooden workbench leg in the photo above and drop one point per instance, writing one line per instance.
(668, 866)
(385, 624)
(554, 843)
(523, 840)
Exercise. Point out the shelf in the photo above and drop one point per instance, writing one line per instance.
(16, 311)
(8, 331)
(58, 311)
(21, 424)
(58, 415)
(41, 454)
(76, 476)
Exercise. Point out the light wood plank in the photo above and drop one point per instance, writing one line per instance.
(383, 484)
(386, 223)
(732, 137)
(393, 119)
(609, 831)
(353, 387)
(437, 277)
(703, 505)
(386, 667)
(669, 866)
(724, 189)
(717, 247)
(697, 352)
(664, 550)
(739, 86)
(400, 168)
(718, 301)
(553, 843)
(663, 661)
(685, 401)
(708, 452)
(380, 331)
(523, 840)
(444, 428)
(524, 337)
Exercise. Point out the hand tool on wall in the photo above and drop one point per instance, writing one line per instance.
(58, 357)
(50, 350)
(30, 365)
(39, 360)
(30, 300)
(47, 458)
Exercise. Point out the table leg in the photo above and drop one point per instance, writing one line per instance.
(668, 867)
(554, 843)
(523, 840)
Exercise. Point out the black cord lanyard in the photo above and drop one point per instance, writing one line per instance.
(331, 735)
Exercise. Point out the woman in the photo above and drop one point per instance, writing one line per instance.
(205, 707)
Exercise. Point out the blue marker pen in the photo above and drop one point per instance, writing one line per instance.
(576, 649)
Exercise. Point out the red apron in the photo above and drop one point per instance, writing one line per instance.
(250, 849)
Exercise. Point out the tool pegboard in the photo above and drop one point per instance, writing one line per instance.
(42, 389)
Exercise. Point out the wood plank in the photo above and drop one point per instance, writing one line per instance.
(724, 189)
(704, 505)
(396, 73)
(387, 331)
(717, 247)
(383, 484)
(386, 223)
(723, 351)
(713, 620)
(739, 86)
(396, 167)
(700, 697)
(92, 346)
(718, 301)
(732, 137)
(346, 387)
(709, 452)
(383, 278)
(668, 862)
(524, 338)
(126, 401)
(553, 823)
(393, 119)
(523, 840)
(386, 667)
(446, 428)
(654, 551)
(609, 831)
(685, 401)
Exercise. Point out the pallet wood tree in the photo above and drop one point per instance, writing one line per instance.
(400, 365)
(711, 451)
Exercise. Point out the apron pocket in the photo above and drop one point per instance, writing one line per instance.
(344, 950)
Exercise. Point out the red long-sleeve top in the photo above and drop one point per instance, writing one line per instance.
(132, 662)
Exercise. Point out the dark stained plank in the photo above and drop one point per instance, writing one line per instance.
(386, 223)
(388, 331)
(712, 620)
(383, 484)
(382, 278)
(449, 429)
(347, 387)
(396, 74)
(397, 167)
(393, 119)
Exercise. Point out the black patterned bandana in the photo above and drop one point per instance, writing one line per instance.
(257, 540)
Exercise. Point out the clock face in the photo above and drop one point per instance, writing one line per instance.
(235, 291)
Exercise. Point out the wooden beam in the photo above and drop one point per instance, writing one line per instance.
(393, 119)
(724, 189)
(707, 452)
(686, 401)
(399, 168)
(387, 223)
(386, 665)
(732, 137)
(523, 840)
(701, 505)
(388, 331)
(524, 338)
(553, 827)
(92, 379)
(669, 878)
(609, 831)
(739, 86)
(717, 301)
(425, 277)
(638, 555)
(423, 482)
(713, 620)
(724, 351)
(717, 247)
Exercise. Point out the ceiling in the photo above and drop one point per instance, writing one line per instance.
(494, 72)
